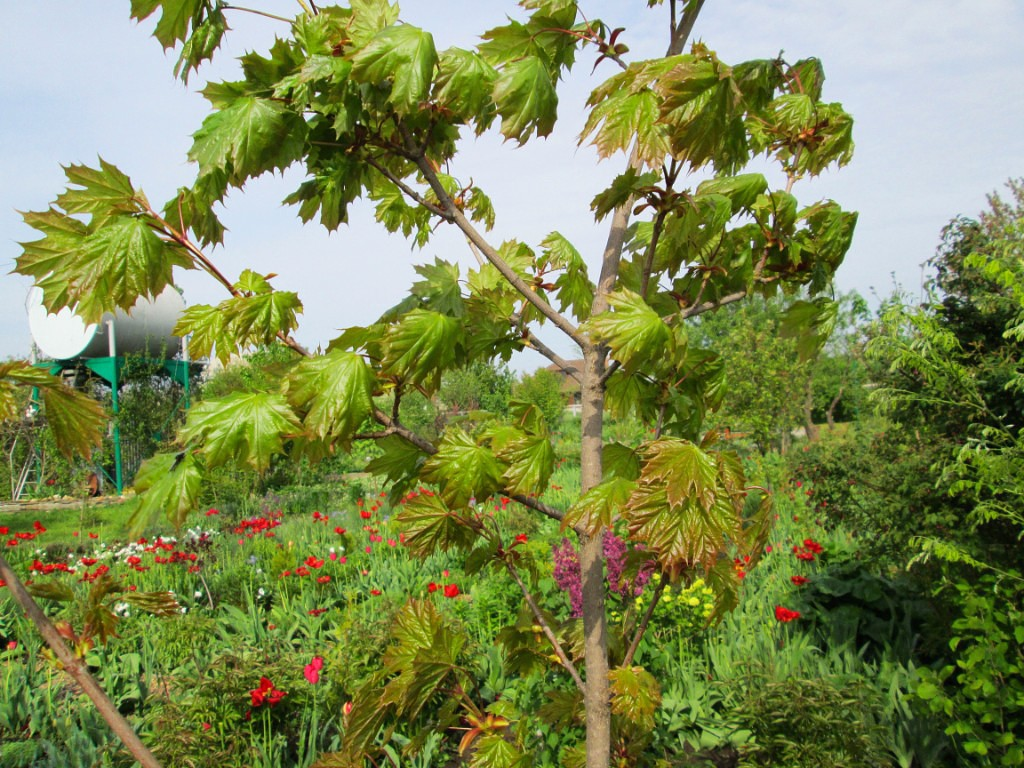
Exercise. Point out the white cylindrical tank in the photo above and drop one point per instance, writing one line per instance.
(145, 330)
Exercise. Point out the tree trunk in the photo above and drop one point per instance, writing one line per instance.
(830, 414)
(809, 426)
(597, 698)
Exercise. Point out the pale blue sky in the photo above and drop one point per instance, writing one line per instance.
(936, 89)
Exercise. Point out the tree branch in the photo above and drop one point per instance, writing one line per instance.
(395, 428)
(411, 193)
(458, 218)
(545, 350)
(546, 628)
(641, 628)
(210, 268)
(682, 31)
(74, 667)
(707, 306)
(538, 506)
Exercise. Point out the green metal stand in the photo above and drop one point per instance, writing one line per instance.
(109, 369)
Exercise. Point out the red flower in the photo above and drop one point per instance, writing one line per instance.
(451, 590)
(312, 670)
(521, 538)
(365, 514)
(266, 693)
(340, 531)
(812, 546)
(323, 579)
(302, 571)
(212, 512)
(317, 611)
(375, 592)
(314, 562)
(785, 615)
(432, 587)
(799, 580)
(94, 535)
(39, 527)
(4, 530)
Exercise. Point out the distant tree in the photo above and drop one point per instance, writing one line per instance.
(542, 388)
(477, 386)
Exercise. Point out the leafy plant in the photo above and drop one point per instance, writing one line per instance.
(371, 109)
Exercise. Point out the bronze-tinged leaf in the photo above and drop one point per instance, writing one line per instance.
(636, 695)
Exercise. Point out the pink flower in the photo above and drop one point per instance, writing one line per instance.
(347, 708)
(207, 726)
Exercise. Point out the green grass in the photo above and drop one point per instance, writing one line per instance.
(108, 522)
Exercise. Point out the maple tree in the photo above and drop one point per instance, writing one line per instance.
(370, 109)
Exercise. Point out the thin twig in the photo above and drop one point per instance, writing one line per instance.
(210, 268)
(546, 628)
(642, 626)
(256, 12)
(456, 216)
(411, 193)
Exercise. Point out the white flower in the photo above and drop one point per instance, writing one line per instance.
(198, 595)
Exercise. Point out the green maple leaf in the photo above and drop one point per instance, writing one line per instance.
(623, 188)
(430, 527)
(463, 470)
(618, 460)
(101, 192)
(440, 288)
(106, 263)
(464, 85)
(421, 345)
(636, 695)
(617, 121)
(492, 750)
(369, 17)
(76, 420)
(399, 459)
(259, 318)
(248, 137)
(632, 329)
(575, 290)
(742, 190)
(405, 56)
(684, 471)
(177, 16)
(207, 330)
(599, 507)
(192, 208)
(526, 99)
(167, 484)
(246, 428)
(531, 460)
(335, 391)
(395, 213)
(810, 323)
(703, 113)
